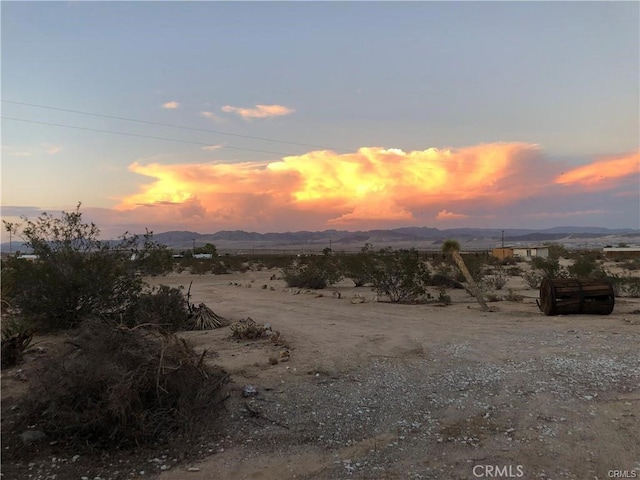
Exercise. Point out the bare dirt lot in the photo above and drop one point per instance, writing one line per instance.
(382, 391)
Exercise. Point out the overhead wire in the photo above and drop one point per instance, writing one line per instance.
(183, 127)
(142, 136)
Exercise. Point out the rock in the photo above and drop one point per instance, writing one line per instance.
(273, 360)
(193, 469)
(32, 436)
(249, 391)
(357, 299)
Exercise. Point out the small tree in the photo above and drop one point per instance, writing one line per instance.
(76, 275)
(399, 275)
(452, 247)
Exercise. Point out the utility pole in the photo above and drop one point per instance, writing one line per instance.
(502, 238)
(193, 250)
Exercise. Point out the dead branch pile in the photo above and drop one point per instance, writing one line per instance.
(248, 329)
(203, 318)
(121, 387)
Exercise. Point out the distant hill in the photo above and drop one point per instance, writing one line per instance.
(420, 237)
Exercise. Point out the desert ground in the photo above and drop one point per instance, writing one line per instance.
(376, 390)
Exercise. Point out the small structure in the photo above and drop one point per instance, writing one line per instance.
(203, 255)
(621, 252)
(502, 253)
(563, 296)
(528, 253)
(29, 257)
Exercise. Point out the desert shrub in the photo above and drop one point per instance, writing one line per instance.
(508, 261)
(476, 266)
(548, 267)
(631, 264)
(497, 280)
(116, 387)
(400, 275)
(17, 336)
(162, 306)
(511, 296)
(152, 258)
(492, 297)
(359, 267)
(444, 297)
(556, 251)
(76, 275)
(440, 280)
(533, 279)
(624, 285)
(584, 267)
(514, 271)
(317, 272)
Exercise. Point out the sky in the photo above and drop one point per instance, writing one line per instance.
(288, 116)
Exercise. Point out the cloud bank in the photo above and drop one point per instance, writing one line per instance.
(379, 188)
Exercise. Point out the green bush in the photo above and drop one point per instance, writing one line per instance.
(162, 306)
(548, 267)
(585, 267)
(316, 272)
(400, 275)
(358, 267)
(76, 275)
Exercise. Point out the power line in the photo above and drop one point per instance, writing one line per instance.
(217, 132)
(113, 132)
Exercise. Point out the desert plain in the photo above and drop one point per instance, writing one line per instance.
(376, 390)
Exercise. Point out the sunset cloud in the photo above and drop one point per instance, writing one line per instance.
(602, 171)
(261, 111)
(211, 148)
(171, 105)
(371, 187)
(446, 215)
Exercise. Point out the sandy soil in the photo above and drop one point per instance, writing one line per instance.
(377, 390)
(382, 391)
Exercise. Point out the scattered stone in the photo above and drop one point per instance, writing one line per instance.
(32, 436)
(249, 391)
(357, 298)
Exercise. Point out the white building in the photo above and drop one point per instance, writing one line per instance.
(528, 253)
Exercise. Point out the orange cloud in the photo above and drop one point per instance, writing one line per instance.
(445, 215)
(261, 111)
(602, 171)
(171, 105)
(372, 184)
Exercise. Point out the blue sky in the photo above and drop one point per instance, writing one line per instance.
(560, 80)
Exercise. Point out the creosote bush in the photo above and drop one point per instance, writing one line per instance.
(76, 275)
(400, 275)
(315, 271)
(117, 387)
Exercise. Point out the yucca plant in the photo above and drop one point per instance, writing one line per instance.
(452, 247)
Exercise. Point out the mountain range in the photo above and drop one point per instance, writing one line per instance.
(418, 237)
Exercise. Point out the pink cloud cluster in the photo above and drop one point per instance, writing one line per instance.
(260, 111)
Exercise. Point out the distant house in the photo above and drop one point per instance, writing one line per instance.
(28, 257)
(529, 253)
(621, 252)
(203, 255)
(521, 252)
